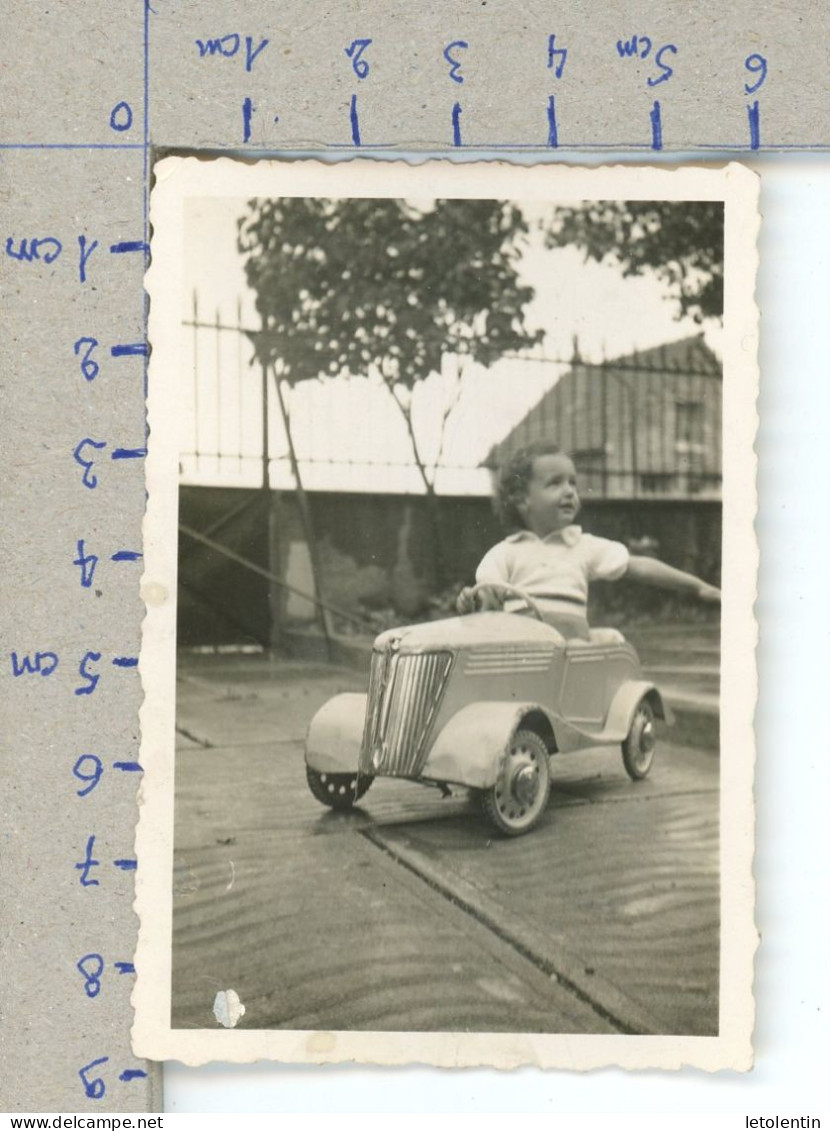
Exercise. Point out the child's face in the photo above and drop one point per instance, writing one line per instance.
(552, 501)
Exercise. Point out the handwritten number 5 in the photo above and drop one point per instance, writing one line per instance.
(455, 64)
(757, 64)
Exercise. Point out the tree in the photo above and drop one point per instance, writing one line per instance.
(385, 288)
(681, 242)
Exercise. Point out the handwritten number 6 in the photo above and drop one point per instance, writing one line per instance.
(757, 64)
(93, 778)
(89, 368)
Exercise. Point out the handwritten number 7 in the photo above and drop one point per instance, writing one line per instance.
(757, 64)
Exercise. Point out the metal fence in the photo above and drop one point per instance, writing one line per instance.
(647, 425)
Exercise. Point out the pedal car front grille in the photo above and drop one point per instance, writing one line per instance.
(404, 695)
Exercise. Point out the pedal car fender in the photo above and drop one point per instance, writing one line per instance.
(624, 704)
(469, 749)
(335, 734)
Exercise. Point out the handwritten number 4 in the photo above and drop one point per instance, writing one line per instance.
(756, 64)
(557, 57)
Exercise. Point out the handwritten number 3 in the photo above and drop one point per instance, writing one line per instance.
(455, 64)
(757, 64)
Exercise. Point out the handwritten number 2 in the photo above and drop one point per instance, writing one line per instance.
(757, 65)
(355, 52)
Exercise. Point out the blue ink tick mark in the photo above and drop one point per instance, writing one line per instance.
(125, 661)
(124, 967)
(753, 113)
(355, 122)
(136, 349)
(132, 1074)
(128, 767)
(553, 132)
(125, 865)
(456, 124)
(129, 453)
(128, 246)
(126, 556)
(247, 113)
(656, 127)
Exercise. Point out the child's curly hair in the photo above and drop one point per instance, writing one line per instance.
(513, 479)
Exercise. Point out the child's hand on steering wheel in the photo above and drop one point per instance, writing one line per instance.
(472, 599)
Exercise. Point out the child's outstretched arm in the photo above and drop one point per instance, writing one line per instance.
(653, 572)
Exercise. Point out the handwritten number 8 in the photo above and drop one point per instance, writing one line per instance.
(757, 64)
(93, 778)
(91, 966)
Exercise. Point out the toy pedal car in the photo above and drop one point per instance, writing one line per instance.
(484, 701)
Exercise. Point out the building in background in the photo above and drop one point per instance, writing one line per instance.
(646, 425)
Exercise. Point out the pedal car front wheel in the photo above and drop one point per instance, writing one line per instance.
(517, 801)
(338, 791)
(638, 747)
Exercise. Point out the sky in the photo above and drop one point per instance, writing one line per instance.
(348, 433)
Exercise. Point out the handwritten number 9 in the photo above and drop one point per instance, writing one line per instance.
(94, 1089)
(757, 64)
(92, 777)
(91, 966)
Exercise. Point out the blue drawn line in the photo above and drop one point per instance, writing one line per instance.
(553, 132)
(126, 556)
(129, 453)
(456, 125)
(753, 112)
(353, 118)
(124, 967)
(132, 1074)
(130, 245)
(125, 662)
(137, 349)
(77, 145)
(128, 767)
(656, 127)
(124, 865)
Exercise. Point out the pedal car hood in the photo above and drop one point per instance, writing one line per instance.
(505, 630)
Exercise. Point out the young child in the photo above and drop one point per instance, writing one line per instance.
(550, 558)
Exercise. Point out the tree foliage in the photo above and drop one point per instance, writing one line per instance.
(681, 242)
(387, 287)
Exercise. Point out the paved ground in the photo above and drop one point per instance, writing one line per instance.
(408, 913)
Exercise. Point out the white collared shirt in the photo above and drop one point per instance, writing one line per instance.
(554, 570)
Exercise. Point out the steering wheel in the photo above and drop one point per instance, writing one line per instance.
(509, 590)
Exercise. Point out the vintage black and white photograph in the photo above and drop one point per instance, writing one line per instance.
(449, 649)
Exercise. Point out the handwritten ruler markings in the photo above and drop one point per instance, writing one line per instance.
(72, 258)
(488, 76)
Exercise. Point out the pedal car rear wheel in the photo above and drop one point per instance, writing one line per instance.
(638, 747)
(338, 791)
(517, 801)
